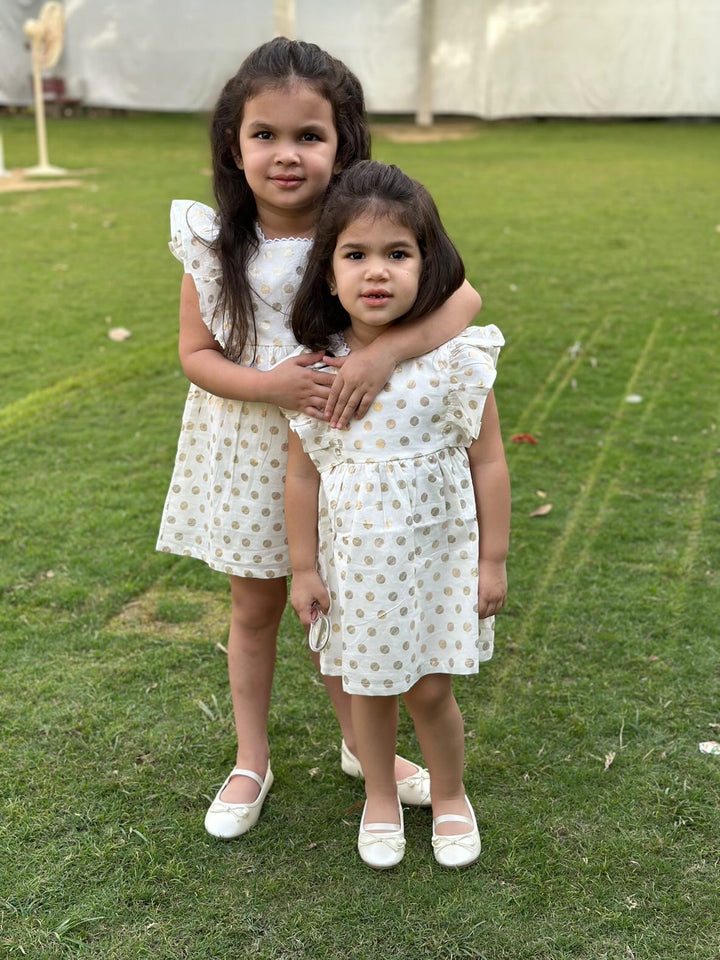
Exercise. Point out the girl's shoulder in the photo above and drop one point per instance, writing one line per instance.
(191, 224)
(472, 343)
(488, 337)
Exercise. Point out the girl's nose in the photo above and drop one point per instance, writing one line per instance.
(287, 153)
(375, 268)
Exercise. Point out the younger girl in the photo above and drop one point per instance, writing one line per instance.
(284, 125)
(398, 527)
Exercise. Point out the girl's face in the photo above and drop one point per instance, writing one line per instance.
(376, 270)
(287, 146)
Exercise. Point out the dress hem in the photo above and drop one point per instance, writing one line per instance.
(359, 691)
(245, 572)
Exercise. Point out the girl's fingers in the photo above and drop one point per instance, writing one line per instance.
(341, 414)
(333, 396)
(324, 379)
(488, 607)
(318, 412)
(363, 406)
(307, 359)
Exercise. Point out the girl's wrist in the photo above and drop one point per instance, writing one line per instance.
(260, 386)
(496, 560)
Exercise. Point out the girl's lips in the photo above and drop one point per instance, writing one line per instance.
(375, 298)
(286, 183)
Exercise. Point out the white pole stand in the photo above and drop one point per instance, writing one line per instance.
(44, 168)
(3, 171)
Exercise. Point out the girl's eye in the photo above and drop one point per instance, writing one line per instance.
(263, 135)
(310, 137)
(355, 255)
(398, 255)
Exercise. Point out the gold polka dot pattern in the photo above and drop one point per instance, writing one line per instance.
(398, 529)
(225, 502)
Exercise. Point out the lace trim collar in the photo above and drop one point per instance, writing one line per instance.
(265, 239)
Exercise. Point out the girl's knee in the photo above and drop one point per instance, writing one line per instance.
(257, 604)
(429, 694)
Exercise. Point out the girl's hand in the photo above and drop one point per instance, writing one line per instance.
(307, 590)
(293, 384)
(492, 588)
(361, 376)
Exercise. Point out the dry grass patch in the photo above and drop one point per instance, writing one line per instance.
(175, 613)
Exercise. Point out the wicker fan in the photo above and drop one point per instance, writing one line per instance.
(46, 40)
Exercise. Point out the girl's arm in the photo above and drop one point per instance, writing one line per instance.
(290, 384)
(365, 372)
(302, 482)
(491, 483)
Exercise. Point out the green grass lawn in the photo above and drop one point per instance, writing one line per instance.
(596, 248)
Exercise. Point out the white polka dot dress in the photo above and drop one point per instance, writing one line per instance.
(225, 502)
(398, 532)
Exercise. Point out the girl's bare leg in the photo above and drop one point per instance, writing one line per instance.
(341, 704)
(440, 730)
(375, 725)
(257, 606)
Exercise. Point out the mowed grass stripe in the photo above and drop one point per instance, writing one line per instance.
(542, 402)
(587, 491)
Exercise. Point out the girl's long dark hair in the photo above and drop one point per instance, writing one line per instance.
(382, 190)
(272, 65)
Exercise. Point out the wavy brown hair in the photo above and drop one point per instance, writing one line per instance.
(272, 65)
(383, 190)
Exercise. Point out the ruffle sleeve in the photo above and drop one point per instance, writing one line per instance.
(469, 361)
(193, 226)
(316, 436)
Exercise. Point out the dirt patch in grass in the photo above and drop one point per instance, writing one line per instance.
(17, 182)
(435, 133)
(176, 613)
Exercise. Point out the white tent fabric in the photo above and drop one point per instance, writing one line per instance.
(491, 59)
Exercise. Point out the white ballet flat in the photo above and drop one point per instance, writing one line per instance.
(381, 845)
(413, 791)
(229, 820)
(457, 849)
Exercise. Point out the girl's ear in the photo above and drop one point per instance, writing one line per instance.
(231, 139)
(331, 283)
(337, 167)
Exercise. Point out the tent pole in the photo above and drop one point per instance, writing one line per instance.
(284, 19)
(424, 115)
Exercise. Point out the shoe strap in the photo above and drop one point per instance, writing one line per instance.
(379, 828)
(453, 818)
(239, 772)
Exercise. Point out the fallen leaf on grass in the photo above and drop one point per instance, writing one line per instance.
(540, 493)
(609, 757)
(633, 398)
(119, 333)
(542, 511)
(523, 438)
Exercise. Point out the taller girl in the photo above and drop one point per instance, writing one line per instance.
(284, 125)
